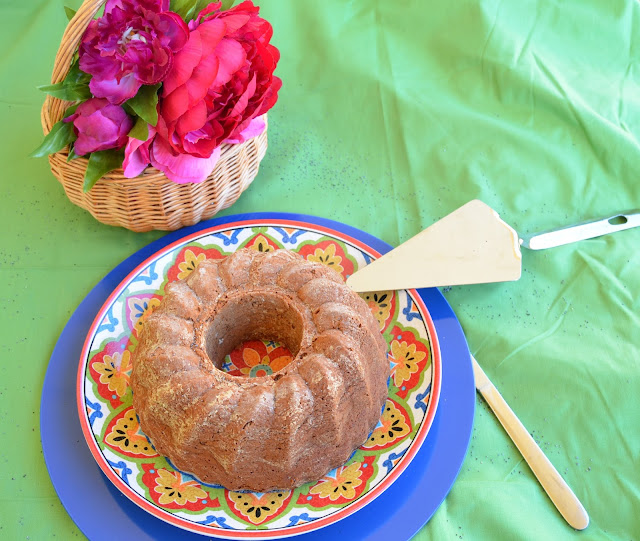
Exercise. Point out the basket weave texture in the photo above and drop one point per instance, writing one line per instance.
(149, 201)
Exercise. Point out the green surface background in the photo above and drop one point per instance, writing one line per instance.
(392, 115)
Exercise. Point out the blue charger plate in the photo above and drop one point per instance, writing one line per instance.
(100, 510)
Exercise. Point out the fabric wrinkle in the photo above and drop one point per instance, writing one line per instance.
(390, 116)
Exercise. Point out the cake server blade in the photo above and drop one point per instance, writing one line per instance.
(472, 245)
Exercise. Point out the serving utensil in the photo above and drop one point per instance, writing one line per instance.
(473, 245)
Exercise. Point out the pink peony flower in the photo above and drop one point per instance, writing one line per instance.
(179, 168)
(132, 44)
(136, 155)
(219, 86)
(99, 125)
(220, 81)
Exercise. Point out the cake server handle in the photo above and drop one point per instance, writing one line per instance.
(552, 482)
(582, 231)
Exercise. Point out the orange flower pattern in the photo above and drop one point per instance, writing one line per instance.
(174, 489)
(404, 360)
(262, 366)
(257, 508)
(114, 371)
(256, 358)
(344, 484)
(393, 426)
(380, 305)
(327, 257)
(125, 436)
(191, 261)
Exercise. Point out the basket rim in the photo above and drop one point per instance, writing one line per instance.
(150, 174)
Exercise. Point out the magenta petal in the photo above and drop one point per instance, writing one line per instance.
(100, 125)
(255, 128)
(232, 57)
(156, 6)
(174, 29)
(136, 155)
(84, 146)
(194, 119)
(132, 43)
(235, 20)
(211, 32)
(183, 64)
(111, 4)
(95, 132)
(90, 106)
(203, 77)
(175, 104)
(116, 93)
(243, 100)
(134, 164)
(181, 168)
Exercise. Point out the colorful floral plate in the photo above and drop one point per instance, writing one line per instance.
(126, 456)
(132, 465)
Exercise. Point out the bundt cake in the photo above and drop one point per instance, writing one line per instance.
(271, 432)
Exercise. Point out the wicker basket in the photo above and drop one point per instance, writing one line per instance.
(149, 201)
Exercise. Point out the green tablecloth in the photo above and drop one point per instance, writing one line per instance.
(393, 114)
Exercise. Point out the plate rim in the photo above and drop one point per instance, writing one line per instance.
(271, 220)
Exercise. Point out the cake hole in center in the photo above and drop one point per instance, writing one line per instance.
(254, 334)
(256, 358)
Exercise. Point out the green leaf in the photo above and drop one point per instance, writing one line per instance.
(59, 137)
(70, 110)
(76, 75)
(100, 163)
(64, 92)
(70, 12)
(140, 130)
(75, 86)
(197, 8)
(188, 9)
(181, 7)
(128, 108)
(144, 103)
(72, 154)
(227, 4)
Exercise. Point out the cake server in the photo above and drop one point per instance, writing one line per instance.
(472, 245)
